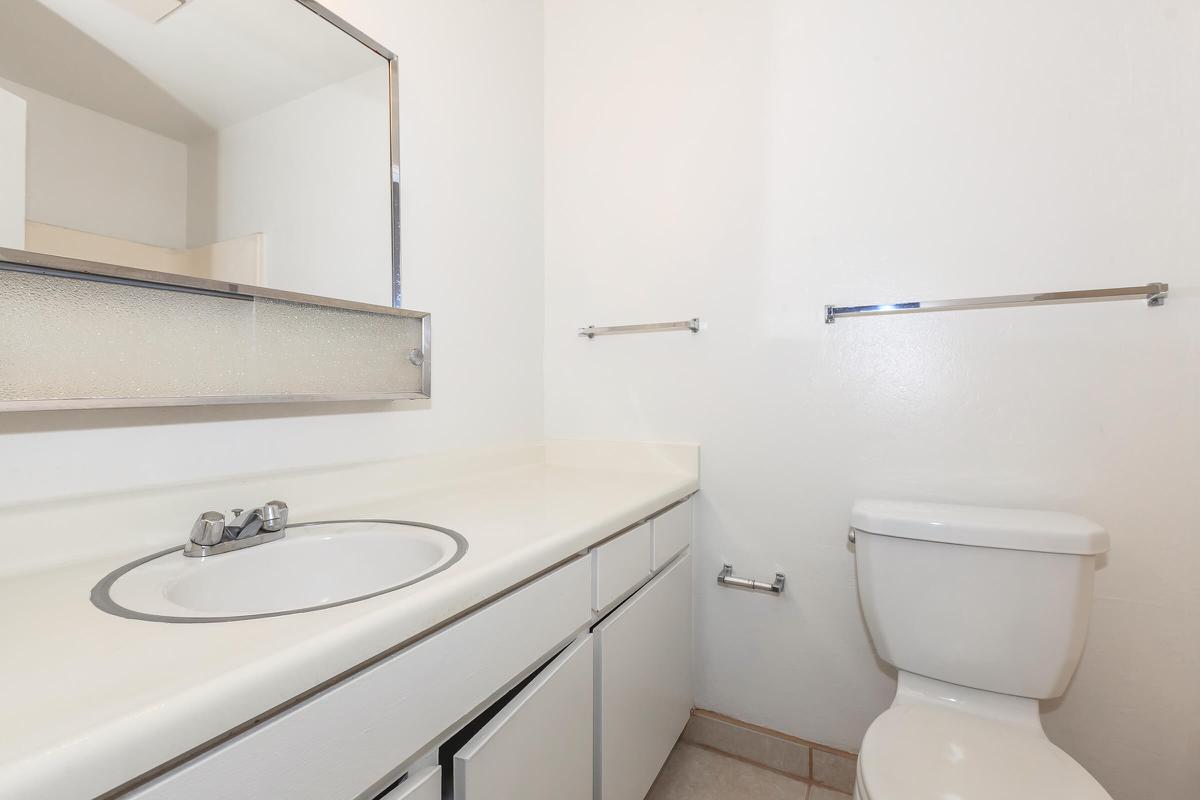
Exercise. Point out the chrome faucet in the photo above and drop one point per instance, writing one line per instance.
(211, 535)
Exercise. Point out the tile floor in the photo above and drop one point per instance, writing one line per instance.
(693, 772)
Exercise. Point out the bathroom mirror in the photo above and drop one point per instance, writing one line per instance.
(199, 204)
(232, 143)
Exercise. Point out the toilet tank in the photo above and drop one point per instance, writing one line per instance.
(992, 598)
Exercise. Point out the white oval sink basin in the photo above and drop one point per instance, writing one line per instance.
(316, 565)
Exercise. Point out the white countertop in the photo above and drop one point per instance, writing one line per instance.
(92, 700)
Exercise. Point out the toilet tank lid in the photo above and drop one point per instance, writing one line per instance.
(1008, 528)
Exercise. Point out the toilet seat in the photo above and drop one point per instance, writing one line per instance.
(922, 752)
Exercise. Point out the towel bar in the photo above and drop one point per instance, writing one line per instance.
(592, 331)
(1155, 294)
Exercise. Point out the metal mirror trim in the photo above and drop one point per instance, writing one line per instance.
(393, 125)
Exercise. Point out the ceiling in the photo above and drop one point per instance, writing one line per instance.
(207, 65)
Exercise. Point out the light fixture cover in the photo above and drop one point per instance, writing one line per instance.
(67, 342)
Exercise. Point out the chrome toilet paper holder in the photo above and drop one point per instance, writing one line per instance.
(727, 578)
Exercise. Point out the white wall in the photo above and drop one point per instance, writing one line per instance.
(202, 190)
(462, 62)
(234, 260)
(749, 162)
(313, 176)
(95, 173)
(12, 170)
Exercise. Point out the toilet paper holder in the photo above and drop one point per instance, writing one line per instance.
(727, 578)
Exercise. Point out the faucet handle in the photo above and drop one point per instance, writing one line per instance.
(209, 529)
(274, 515)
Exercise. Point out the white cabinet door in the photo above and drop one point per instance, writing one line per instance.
(539, 747)
(424, 784)
(643, 683)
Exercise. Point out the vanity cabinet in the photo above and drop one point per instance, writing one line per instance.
(354, 735)
(574, 686)
(643, 683)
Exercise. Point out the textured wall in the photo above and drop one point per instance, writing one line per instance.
(12, 170)
(749, 162)
(96, 173)
(326, 226)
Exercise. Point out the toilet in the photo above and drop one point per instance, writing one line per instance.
(983, 612)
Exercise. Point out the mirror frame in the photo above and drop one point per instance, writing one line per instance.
(393, 126)
(41, 263)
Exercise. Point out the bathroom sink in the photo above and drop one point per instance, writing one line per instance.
(316, 565)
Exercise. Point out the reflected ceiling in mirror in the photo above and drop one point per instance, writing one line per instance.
(244, 142)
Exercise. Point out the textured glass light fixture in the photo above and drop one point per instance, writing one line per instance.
(95, 341)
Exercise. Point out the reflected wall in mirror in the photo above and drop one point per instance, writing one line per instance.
(249, 142)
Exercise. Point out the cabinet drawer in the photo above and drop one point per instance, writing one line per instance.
(340, 742)
(621, 564)
(539, 747)
(644, 683)
(425, 784)
(672, 533)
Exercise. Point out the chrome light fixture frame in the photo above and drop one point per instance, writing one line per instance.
(58, 266)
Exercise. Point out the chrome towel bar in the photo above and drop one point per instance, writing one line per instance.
(1155, 294)
(727, 578)
(592, 331)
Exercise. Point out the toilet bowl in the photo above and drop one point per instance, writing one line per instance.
(942, 741)
(983, 612)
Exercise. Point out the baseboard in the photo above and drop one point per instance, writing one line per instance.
(812, 762)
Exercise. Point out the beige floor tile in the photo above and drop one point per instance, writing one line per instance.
(781, 754)
(821, 793)
(694, 773)
(834, 770)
